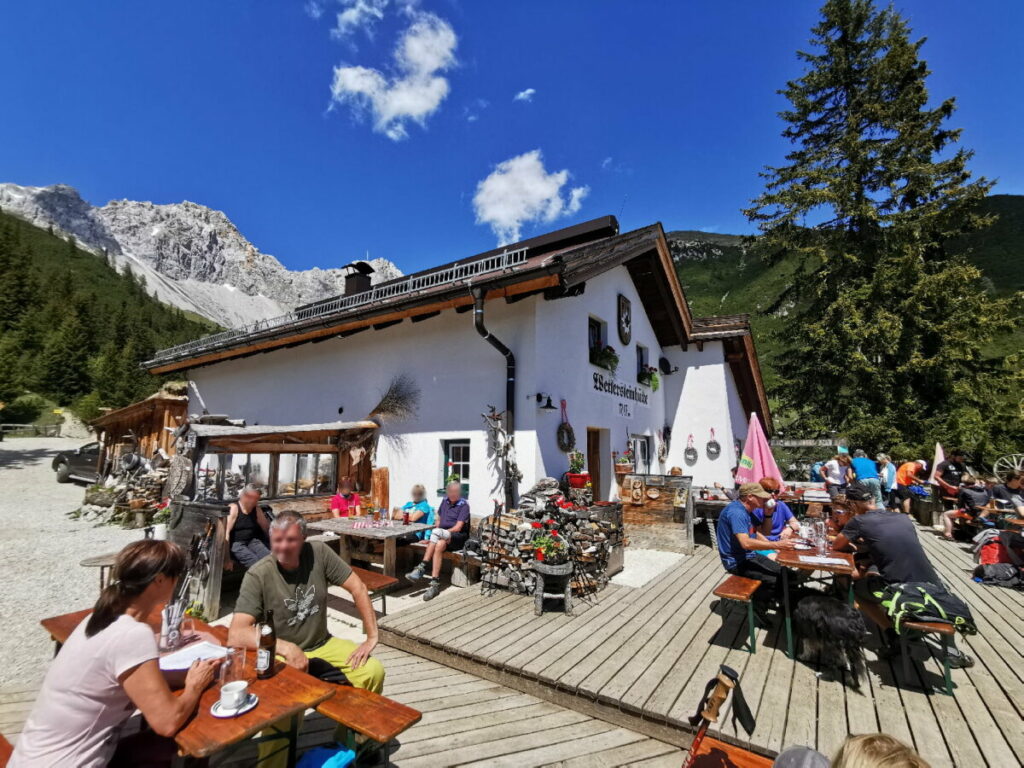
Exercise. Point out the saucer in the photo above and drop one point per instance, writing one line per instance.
(218, 711)
(803, 547)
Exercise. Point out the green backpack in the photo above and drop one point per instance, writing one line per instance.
(925, 602)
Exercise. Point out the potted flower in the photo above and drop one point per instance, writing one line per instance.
(576, 477)
(605, 357)
(648, 376)
(624, 462)
(550, 548)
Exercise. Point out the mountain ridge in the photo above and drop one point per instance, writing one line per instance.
(190, 256)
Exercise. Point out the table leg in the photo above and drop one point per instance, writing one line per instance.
(343, 550)
(293, 741)
(391, 557)
(789, 620)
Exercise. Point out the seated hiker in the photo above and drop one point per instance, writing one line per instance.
(107, 669)
(246, 529)
(730, 493)
(1010, 495)
(779, 520)
(452, 530)
(419, 510)
(739, 542)
(890, 552)
(346, 502)
(293, 584)
(907, 475)
(973, 498)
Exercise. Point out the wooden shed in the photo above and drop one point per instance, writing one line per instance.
(144, 427)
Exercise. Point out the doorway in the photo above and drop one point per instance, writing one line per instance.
(594, 463)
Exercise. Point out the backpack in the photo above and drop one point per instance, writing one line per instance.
(1000, 575)
(921, 601)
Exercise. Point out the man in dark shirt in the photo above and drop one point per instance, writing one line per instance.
(451, 533)
(949, 473)
(1010, 495)
(888, 552)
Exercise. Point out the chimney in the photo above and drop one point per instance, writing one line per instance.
(358, 279)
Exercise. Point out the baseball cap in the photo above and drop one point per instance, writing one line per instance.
(858, 492)
(754, 489)
(923, 463)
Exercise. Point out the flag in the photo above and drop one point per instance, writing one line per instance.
(940, 456)
(756, 460)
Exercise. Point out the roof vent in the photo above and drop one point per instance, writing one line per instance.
(358, 280)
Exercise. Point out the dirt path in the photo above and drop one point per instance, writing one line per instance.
(40, 552)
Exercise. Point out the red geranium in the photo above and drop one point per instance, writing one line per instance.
(536, 524)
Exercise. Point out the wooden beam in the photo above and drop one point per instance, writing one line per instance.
(231, 446)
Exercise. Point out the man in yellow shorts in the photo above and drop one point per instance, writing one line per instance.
(293, 584)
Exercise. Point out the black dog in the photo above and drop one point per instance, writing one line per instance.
(831, 633)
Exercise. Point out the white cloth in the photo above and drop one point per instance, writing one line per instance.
(76, 720)
(440, 534)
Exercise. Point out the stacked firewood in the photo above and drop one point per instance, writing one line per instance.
(148, 487)
(589, 533)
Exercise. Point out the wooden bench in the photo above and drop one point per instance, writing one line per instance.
(941, 628)
(377, 584)
(465, 568)
(376, 717)
(6, 750)
(741, 590)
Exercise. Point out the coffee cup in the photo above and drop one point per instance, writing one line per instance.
(233, 695)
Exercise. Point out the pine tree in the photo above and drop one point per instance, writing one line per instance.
(887, 337)
(64, 365)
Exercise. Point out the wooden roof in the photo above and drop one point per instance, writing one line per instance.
(138, 409)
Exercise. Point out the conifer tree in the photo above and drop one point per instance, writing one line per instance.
(64, 366)
(888, 333)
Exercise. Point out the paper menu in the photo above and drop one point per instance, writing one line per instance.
(818, 560)
(183, 658)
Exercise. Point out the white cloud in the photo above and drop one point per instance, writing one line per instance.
(415, 90)
(521, 191)
(358, 15)
(315, 8)
(605, 163)
(472, 112)
(526, 95)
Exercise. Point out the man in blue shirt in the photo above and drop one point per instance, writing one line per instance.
(738, 542)
(867, 475)
(451, 533)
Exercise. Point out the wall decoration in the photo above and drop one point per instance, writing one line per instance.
(713, 448)
(625, 316)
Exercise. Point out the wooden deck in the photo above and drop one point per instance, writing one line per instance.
(639, 659)
(466, 721)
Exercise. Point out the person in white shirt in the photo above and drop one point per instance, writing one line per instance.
(837, 474)
(107, 669)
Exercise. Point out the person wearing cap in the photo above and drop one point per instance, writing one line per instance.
(887, 478)
(907, 475)
(888, 551)
(739, 541)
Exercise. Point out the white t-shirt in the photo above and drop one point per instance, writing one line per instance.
(835, 473)
(81, 707)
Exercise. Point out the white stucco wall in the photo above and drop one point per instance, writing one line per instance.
(459, 374)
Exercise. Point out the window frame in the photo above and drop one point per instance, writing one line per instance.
(446, 456)
(595, 323)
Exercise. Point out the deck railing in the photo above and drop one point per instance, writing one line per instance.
(383, 292)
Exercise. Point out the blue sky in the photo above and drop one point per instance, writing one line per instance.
(307, 131)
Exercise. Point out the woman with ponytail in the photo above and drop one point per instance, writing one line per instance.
(108, 668)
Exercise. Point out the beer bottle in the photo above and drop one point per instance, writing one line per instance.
(265, 651)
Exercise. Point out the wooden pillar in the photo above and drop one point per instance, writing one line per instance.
(380, 490)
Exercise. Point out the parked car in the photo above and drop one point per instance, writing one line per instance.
(79, 464)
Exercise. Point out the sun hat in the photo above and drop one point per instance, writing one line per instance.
(754, 489)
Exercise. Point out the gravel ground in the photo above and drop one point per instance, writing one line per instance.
(39, 571)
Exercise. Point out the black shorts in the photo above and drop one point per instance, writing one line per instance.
(903, 492)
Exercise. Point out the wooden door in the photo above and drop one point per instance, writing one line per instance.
(594, 462)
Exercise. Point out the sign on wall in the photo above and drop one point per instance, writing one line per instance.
(627, 395)
(625, 315)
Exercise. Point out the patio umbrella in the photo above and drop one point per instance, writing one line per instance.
(757, 460)
(940, 456)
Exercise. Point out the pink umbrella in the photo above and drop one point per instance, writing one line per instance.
(757, 460)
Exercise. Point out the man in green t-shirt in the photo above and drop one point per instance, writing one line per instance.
(293, 584)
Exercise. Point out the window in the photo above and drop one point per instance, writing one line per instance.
(305, 474)
(242, 469)
(641, 454)
(641, 364)
(597, 331)
(455, 465)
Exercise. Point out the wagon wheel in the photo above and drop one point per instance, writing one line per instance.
(1012, 462)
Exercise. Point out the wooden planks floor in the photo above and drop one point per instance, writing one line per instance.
(466, 721)
(639, 659)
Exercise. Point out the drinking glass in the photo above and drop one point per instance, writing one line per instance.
(232, 668)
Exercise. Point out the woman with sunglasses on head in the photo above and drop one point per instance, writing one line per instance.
(779, 522)
(107, 669)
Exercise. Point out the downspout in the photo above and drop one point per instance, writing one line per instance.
(510, 385)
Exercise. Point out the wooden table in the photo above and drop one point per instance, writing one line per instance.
(345, 528)
(284, 696)
(795, 558)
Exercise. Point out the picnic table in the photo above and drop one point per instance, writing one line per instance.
(346, 528)
(809, 560)
(285, 696)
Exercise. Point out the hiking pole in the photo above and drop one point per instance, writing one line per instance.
(715, 694)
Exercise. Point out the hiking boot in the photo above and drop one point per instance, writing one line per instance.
(433, 590)
(417, 573)
(960, 660)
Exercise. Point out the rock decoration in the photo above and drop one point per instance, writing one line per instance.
(590, 533)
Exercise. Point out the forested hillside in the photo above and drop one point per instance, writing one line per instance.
(73, 329)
